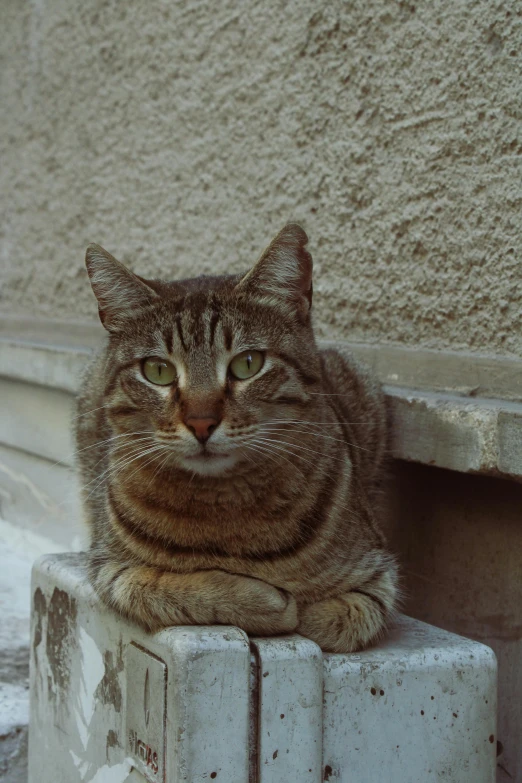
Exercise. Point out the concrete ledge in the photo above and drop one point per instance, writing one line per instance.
(458, 433)
(455, 372)
(193, 704)
(44, 360)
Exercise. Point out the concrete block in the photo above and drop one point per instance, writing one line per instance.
(289, 700)
(112, 704)
(107, 698)
(419, 707)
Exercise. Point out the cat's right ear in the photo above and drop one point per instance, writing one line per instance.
(120, 293)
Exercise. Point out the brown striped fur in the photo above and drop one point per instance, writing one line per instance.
(270, 525)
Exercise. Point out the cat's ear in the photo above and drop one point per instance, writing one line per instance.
(283, 274)
(120, 293)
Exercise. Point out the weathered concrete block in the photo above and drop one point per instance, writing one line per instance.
(420, 707)
(107, 697)
(112, 704)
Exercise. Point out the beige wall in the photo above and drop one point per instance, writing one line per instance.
(181, 135)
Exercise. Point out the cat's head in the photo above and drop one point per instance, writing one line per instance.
(210, 368)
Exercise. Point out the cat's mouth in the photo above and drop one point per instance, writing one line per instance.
(207, 455)
(209, 463)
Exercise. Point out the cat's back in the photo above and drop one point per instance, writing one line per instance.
(357, 398)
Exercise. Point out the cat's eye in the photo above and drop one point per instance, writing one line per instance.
(158, 371)
(246, 364)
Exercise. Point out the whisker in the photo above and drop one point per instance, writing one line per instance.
(332, 394)
(150, 460)
(98, 479)
(330, 423)
(425, 578)
(100, 443)
(278, 455)
(269, 453)
(273, 428)
(274, 444)
(304, 448)
(121, 446)
(160, 467)
(318, 435)
(113, 469)
(86, 413)
(250, 459)
(116, 469)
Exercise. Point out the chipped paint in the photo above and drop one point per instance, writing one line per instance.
(109, 690)
(91, 676)
(61, 619)
(39, 609)
(117, 773)
(112, 741)
(93, 682)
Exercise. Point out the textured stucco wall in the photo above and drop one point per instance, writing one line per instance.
(181, 135)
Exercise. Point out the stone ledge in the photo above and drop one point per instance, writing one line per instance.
(447, 429)
(458, 433)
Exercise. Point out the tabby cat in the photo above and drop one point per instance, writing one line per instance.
(229, 463)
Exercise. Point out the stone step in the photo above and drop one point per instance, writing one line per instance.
(113, 704)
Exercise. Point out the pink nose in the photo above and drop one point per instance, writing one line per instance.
(202, 427)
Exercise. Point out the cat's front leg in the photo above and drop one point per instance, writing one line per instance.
(157, 599)
(344, 624)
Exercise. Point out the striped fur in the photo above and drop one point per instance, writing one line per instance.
(270, 525)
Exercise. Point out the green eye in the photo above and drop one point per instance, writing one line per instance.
(159, 372)
(246, 364)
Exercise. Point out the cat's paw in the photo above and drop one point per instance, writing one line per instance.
(259, 608)
(344, 624)
(158, 599)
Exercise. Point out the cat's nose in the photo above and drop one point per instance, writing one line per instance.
(202, 427)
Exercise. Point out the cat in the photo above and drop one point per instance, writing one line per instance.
(228, 462)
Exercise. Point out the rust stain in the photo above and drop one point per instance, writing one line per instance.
(61, 620)
(113, 741)
(40, 609)
(109, 689)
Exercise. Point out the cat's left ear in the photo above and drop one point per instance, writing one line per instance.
(283, 274)
(120, 293)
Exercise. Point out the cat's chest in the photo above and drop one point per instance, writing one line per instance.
(224, 522)
(265, 540)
